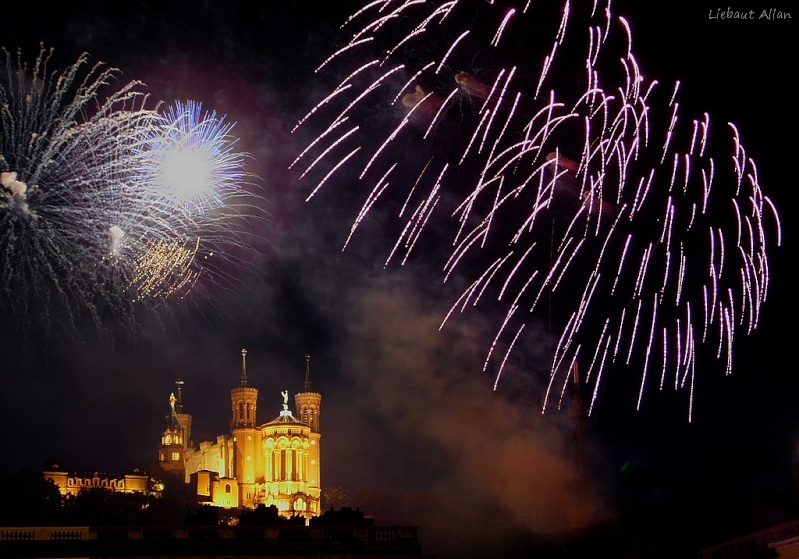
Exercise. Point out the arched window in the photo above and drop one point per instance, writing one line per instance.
(227, 488)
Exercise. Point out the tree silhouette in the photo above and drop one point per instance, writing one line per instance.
(30, 500)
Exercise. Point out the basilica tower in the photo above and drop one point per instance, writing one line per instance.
(172, 450)
(246, 437)
(183, 418)
(309, 407)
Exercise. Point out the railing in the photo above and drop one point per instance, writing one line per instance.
(45, 533)
(113, 541)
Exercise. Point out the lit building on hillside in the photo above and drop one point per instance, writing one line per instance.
(274, 463)
(71, 483)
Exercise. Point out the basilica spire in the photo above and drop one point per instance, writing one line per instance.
(244, 399)
(308, 403)
(179, 399)
(307, 372)
(183, 418)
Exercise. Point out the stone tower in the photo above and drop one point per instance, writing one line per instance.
(183, 418)
(243, 428)
(172, 450)
(309, 407)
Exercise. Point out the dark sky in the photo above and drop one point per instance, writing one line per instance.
(407, 411)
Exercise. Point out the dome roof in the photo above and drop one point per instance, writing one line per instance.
(285, 418)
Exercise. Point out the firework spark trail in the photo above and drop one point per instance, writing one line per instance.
(612, 170)
(416, 224)
(165, 270)
(107, 204)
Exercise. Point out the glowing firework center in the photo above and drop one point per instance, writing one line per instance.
(194, 159)
(185, 174)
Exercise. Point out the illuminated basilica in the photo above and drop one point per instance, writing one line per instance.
(273, 463)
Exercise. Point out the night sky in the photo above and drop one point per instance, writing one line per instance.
(408, 416)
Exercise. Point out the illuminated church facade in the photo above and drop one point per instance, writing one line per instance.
(272, 463)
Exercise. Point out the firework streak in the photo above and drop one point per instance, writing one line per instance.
(531, 134)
